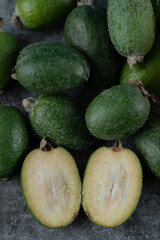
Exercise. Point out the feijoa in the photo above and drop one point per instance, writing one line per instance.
(147, 72)
(60, 119)
(9, 49)
(37, 14)
(86, 30)
(112, 186)
(14, 141)
(49, 68)
(117, 112)
(147, 144)
(131, 27)
(51, 186)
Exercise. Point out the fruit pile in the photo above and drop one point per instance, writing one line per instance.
(96, 40)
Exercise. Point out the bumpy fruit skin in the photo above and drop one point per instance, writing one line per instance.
(147, 144)
(86, 30)
(9, 49)
(147, 72)
(37, 14)
(61, 120)
(14, 141)
(131, 26)
(49, 68)
(117, 112)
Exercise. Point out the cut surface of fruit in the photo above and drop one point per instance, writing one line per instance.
(112, 186)
(51, 186)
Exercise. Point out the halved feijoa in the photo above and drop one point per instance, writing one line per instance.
(117, 112)
(14, 141)
(112, 186)
(51, 186)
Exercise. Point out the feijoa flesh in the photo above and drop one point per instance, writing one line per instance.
(117, 112)
(112, 186)
(9, 50)
(131, 27)
(51, 186)
(147, 144)
(60, 119)
(51, 67)
(14, 141)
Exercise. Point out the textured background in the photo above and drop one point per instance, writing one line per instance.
(16, 222)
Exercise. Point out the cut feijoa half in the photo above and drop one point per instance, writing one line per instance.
(51, 185)
(112, 186)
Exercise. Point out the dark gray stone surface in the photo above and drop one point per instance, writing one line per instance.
(16, 222)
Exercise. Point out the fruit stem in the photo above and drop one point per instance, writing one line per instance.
(144, 90)
(118, 146)
(134, 59)
(15, 19)
(29, 103)
(85, 2)
(45, 145)
(4, 104)
(1, 22)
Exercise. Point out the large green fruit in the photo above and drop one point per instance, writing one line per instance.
(132, 28)
(117, 112)
(9, 49)
(48, 67)
(51, 186)
(14, 141)
(112, 186)
(147, 144)
(147, 72)
(36, 14)
(86, 30)
(60, 119)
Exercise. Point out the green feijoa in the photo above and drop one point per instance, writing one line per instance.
(86, 30)
(132, 28)
(60, 119)
(49, 68)
(14, 141)
(37, 14)
(117, 112)
(9, 49)
(147, 72)
(147, 144)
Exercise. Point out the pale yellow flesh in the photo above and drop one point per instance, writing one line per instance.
(112, 186)
(52, 186)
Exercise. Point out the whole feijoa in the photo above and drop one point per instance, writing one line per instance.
(147, 144)
(147, 72)
(86, 30)
(112, 186)
(9, 50)
(51, 185)
(14, 141)
(117, 112)
(37, 14)
(132, 28)
(60, 119)
(49, 68)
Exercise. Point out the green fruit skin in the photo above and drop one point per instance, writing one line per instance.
(61, 120)
(14, 141)
(117, 112)
(147, 72)
(86, 30)
(156, 8)
(147, 144)
(37, 14)
(49, 68)
(131, 26)
(9, 49)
